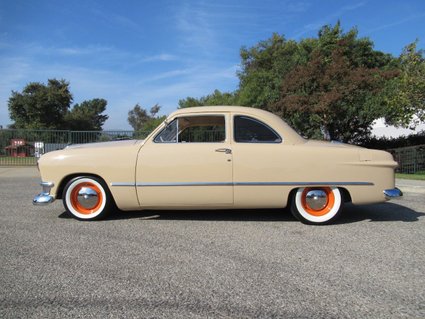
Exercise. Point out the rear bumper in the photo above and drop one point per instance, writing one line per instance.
(44, 198)
(392, 193)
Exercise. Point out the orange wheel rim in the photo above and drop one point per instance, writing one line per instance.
(76, 204)
(330, 201)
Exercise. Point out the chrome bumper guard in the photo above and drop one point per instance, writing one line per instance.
(392, 193)
(44, 198)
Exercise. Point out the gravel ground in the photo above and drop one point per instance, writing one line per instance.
(215, 264)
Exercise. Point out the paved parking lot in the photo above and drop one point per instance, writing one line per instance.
(231, 264)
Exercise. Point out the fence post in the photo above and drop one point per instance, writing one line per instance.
(415, 161)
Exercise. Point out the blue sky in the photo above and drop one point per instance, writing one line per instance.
(161, 51)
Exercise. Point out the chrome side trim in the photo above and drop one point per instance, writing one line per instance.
(169, 184)
(120, 184)
(392, 193)
(183, 184)
(303, 184)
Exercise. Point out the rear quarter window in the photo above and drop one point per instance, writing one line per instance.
(251, 130)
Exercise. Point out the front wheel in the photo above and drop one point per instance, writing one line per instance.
(87, 198)
(316, 205)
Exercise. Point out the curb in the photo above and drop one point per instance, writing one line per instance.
(411, 186)
(19, 171)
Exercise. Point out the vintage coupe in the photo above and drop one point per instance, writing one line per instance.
(218, 157)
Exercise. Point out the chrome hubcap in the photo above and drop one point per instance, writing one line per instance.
(316, 199)
(87, 197)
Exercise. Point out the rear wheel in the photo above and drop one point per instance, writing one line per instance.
(87, 198)
(316, 205)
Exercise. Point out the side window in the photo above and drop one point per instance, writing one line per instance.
(250, 130)
(194, 129)
(168, 134)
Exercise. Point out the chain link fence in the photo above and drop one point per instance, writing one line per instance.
(410, 159)
(23, 147)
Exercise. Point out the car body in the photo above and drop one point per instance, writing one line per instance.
(217, 157)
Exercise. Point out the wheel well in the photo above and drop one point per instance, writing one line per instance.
(67, 178)
(346, 197)
(291, 196)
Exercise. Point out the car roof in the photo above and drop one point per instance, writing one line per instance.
(289, 135)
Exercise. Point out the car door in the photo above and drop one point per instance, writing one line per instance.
(259, 164)
(188, 163)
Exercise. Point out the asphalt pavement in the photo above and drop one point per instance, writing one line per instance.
(209, 264)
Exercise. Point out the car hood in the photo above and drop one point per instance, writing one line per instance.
(91, 150)
(113, 144)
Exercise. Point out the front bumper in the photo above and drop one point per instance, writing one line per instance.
(44, 198)
(392, 193)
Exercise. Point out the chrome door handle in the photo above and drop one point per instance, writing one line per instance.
(224, 150)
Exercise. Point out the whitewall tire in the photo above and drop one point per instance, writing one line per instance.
(316, 205)
(87, 198)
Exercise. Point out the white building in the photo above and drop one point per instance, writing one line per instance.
(380, 129)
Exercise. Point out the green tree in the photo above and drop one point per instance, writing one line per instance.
(333, 85)
(87, 116)
(216, 98)
(330, 96)
(404, 96)
(265, 65)
(141, 120)
(40, 106)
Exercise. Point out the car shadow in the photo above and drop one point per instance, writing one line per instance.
(385, 212)
(258, 215)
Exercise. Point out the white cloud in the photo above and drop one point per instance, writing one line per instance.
(395, 23)
(76, 51)
(171, 74)
(160, 57)
(111, 55)
(339, 13)
(117, 20)
(13, 71)
(121, 89)
(196, 29)
(380, 129)
(297, 7)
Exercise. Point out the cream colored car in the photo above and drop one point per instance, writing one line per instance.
(217, 157)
